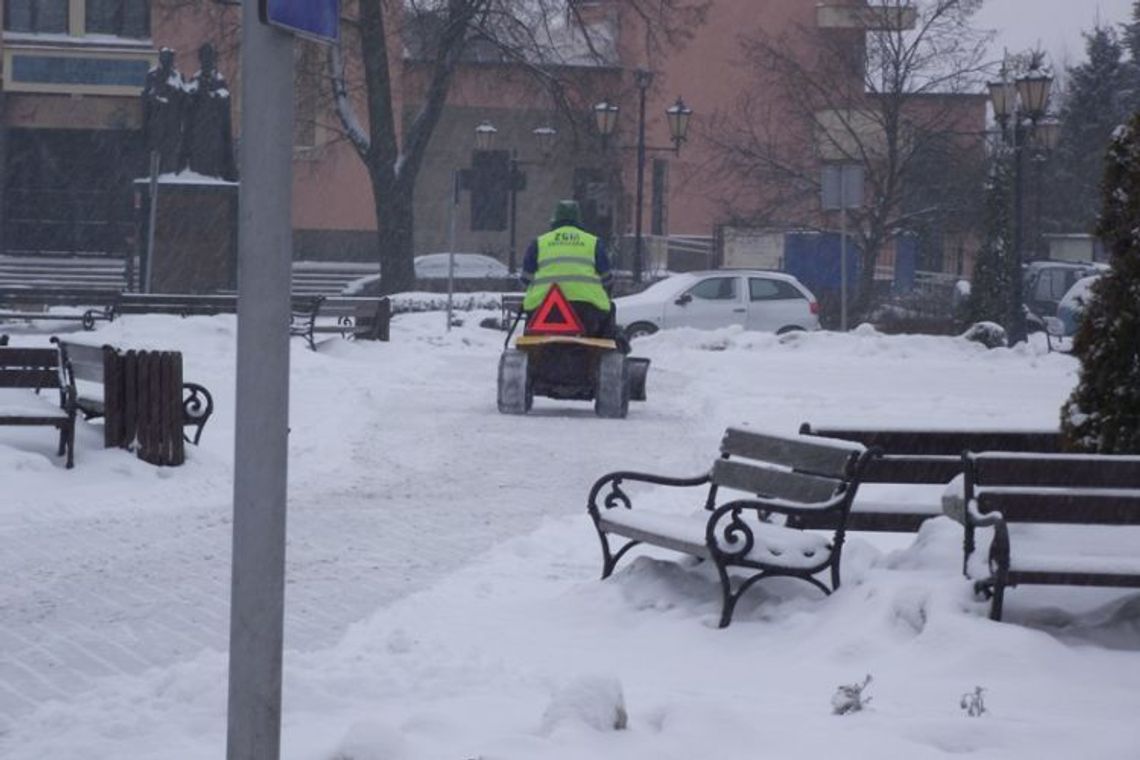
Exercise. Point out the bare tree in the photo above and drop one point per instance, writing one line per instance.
(540, 37)
(884, 97)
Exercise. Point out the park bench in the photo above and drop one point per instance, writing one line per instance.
(917, 457)
(757, 476)
(1054, 493)
(360, 317)
(37, 369)
(366, 318)
(103, 390)
(1055, 337)
(89, 305)
(512, 304)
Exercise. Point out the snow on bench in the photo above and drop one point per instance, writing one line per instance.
(1041, 507)
(757, 476)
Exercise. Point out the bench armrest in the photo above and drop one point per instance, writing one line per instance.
(617, 497)
(977, 519)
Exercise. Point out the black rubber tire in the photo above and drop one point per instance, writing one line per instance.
(640, 329)
(789, 329)
(611, 394)
(515, 395)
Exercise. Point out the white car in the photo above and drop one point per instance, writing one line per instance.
(467, 265)
(754, 299)
(1072, 305)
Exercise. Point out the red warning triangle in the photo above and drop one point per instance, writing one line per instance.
(555, 316)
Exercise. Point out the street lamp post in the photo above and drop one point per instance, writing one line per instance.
(544, 136)
(605, 119)
(1018, 108)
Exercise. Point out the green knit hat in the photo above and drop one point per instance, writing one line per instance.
(566, 212)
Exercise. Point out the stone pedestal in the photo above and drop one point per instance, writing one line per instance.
(195, 240)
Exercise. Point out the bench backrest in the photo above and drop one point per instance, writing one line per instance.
(31, 368)
(87, 361)
(369, 316)
(1057, 488)
(20, 297)
(350, 306)
(933, 456)
(796, 469)
(181, 304)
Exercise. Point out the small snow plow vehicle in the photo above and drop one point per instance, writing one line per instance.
(556, 359)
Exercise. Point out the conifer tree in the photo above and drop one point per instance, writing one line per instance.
(990, 289)
(1103, 413)
(1099, 96)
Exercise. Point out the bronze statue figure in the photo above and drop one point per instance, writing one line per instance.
(162, 100)
(207, 138)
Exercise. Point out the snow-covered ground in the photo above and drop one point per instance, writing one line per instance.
(443, 600)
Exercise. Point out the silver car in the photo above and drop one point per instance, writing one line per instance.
(467, 266)
(754, 299)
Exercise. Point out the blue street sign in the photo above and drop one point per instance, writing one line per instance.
(319, 19)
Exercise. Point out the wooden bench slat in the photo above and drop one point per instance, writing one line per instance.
(1077, 508)
(823, 458)
(772, 483)
(29, 378)
(912, 470)
(1058, 471)
(29, 357)
(946, 442)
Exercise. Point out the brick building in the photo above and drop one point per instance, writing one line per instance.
(70, 116)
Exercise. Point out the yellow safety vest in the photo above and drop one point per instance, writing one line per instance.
(566, 257)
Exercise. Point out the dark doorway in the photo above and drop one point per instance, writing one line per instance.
(68, 191)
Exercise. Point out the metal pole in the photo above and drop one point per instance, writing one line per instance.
(1039, 248)
(842, 256)
(1017, 328)
(514, 208)
(3, 174)
(265, 252)
(453, 208)
(644, 78)
(152, 215)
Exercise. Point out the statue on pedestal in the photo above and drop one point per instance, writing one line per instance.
(207, 140)
(163, 100)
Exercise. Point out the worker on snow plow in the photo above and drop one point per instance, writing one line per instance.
(576, 261)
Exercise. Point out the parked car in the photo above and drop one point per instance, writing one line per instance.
(1072, 306)
(754, 299)
(467, 266)
(1046, 282)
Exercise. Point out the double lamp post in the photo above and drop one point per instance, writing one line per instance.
(516, 179)
(605, 121)
(1020, 107)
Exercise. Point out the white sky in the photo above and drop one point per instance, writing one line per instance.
(1055, 25)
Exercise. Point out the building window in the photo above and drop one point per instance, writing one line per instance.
(121, 18)
(117, 18)
(490, 190)
(36, 16)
